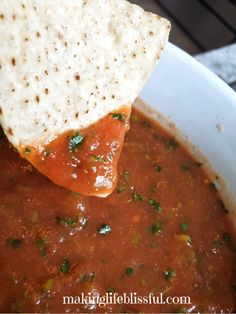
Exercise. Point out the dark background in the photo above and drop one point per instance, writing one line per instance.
(197, 25)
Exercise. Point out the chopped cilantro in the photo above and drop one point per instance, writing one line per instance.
(42, 245)
(156, 228)
(65, 266)
(110, 290)
(213, 186)
(137, 197)
(73, 193)
(121, 189)
(185, 167)
(126, 176)
(184, 227)
(35, 216)
(27, 150)
(87, 277)
(104, 229)
(172, 144)
(129, 271)
(118, 116)
(157, 168)
(199, 164)
(223, 207)
(134, 117)
(146, 124)
(153, 190)
(48, 285)
(14, 242)
(97, 158)
(47, 152)
(226, 237)
(75, 141)
(169, 273)
(155, 204)
(66, 221)
(2, 134)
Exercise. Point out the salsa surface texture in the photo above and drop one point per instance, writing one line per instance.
(163, 230)
(84, 161)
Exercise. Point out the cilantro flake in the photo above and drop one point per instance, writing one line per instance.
(184, 227)
(155, 205)
(118, 116)
(14, 242)
(65, 266)
(156, 228)
(129, 271)
(75, 141)
(137, 197)
(104, 229)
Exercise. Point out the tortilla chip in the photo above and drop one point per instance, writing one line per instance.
(64, 65)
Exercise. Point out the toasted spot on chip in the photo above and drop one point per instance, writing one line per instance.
(13, 61)
(65, 65)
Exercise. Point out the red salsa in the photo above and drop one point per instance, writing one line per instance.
(163, 230)
(84, 161)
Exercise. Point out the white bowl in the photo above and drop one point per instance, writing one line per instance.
(203, 108)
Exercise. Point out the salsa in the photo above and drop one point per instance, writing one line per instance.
(163, 230)
(84, 161)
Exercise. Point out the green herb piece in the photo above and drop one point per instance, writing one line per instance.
(213, 186)
(65, 266)
(134, 117)
(47, 152)
(87, 277)
(137, 197)
(185, 167)
(184, 227)
(199, 164)
(129, 271)
(153, 190)
(121, 189)
(104, 229)
(126, 176)
(110, 290)
(66, 221)
(223, 207)
(146, 124)
(226, 237)
(118, 116)
(74, 194)
(158, 168)
(35, 216)
(156, 228)
(172, 144)
(42, 245)
(48, 285)
(14, 242)
(155, 204)
(27, 150)
(97, 158)
(218, 242)
(75, 141)
(2, 134)
(136, 239)
(169, 273)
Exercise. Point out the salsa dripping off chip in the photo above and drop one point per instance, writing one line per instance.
(69, 72)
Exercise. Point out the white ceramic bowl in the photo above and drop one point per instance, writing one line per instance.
(202, 107)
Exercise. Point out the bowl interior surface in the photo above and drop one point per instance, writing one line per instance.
(201, 106)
